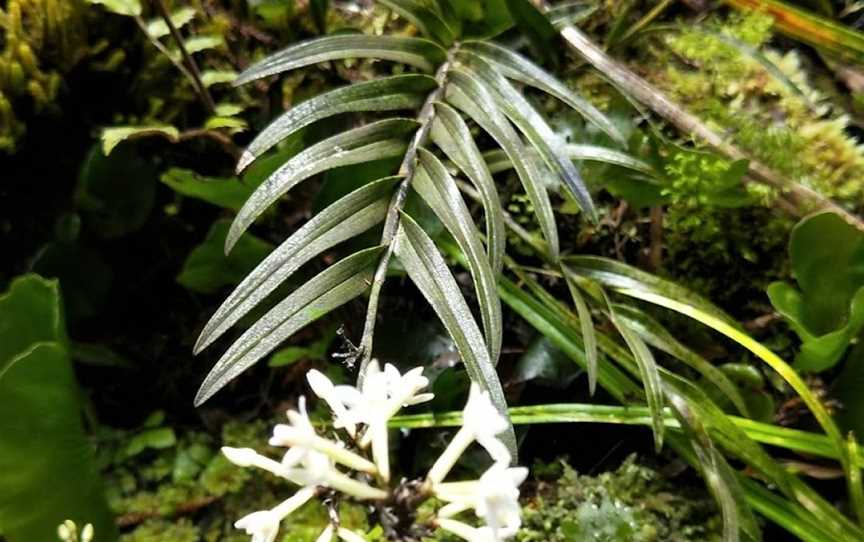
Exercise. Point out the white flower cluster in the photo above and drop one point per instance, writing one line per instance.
(313, 462)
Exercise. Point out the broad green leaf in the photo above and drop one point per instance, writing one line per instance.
(648, 371)
(425, 266)
(589, 339)
(49, 469)
(515, 66)
(829, 310)
(659, 337)
(343, 219)
(115, 193)
(111, 137)
(450, 133)
(533, 126)
(466, 93)
(226, 192)
(207, 269)
(373, 141)
(158, 28)
(423, 17)
(497, 160)
(130, 8)
(439, 190)
(387, 94)
(84, 274)
(420, 53)
(536, 27)
(338, 284)
(232, 124)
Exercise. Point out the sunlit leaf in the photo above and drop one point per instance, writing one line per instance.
(659, 337)
(343, 219)
(424, 264)
(338, 284)
(111, 137)
(373, 141)
(387, 94)
(497, 160)
(423, 54)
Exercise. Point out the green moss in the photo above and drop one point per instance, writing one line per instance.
(632, 504)
(775, 113)
(42, 39)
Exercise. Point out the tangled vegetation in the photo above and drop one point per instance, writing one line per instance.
(629, 234)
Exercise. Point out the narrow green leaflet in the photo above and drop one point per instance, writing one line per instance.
(586, 324)
(497, 160)
(424, 17)
(451, 135)
(647, 369)
(534, 127)
(424, 264)
(387, 94)
(439, 190)
(620, 276)
(659, 337)
(338, 284)
(515, 66)
(466, 93)
(374, 141)
(421, 53)
(717, 474)
(343, 219)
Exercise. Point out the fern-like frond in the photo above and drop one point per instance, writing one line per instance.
(471, 79)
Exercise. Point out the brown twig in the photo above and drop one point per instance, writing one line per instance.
(803, 198)
(192, 67)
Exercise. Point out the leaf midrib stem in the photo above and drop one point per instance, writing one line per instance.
(391, 224)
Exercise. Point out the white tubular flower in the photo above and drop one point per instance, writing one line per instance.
(326, 535)
(264, 525)
(87, 533)
(494, 498)
(349, 536)
(467, 532)
(247, 457)
(481, 421)
(384, 393)
(336, 397)
(497, 498)
(300, 435)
